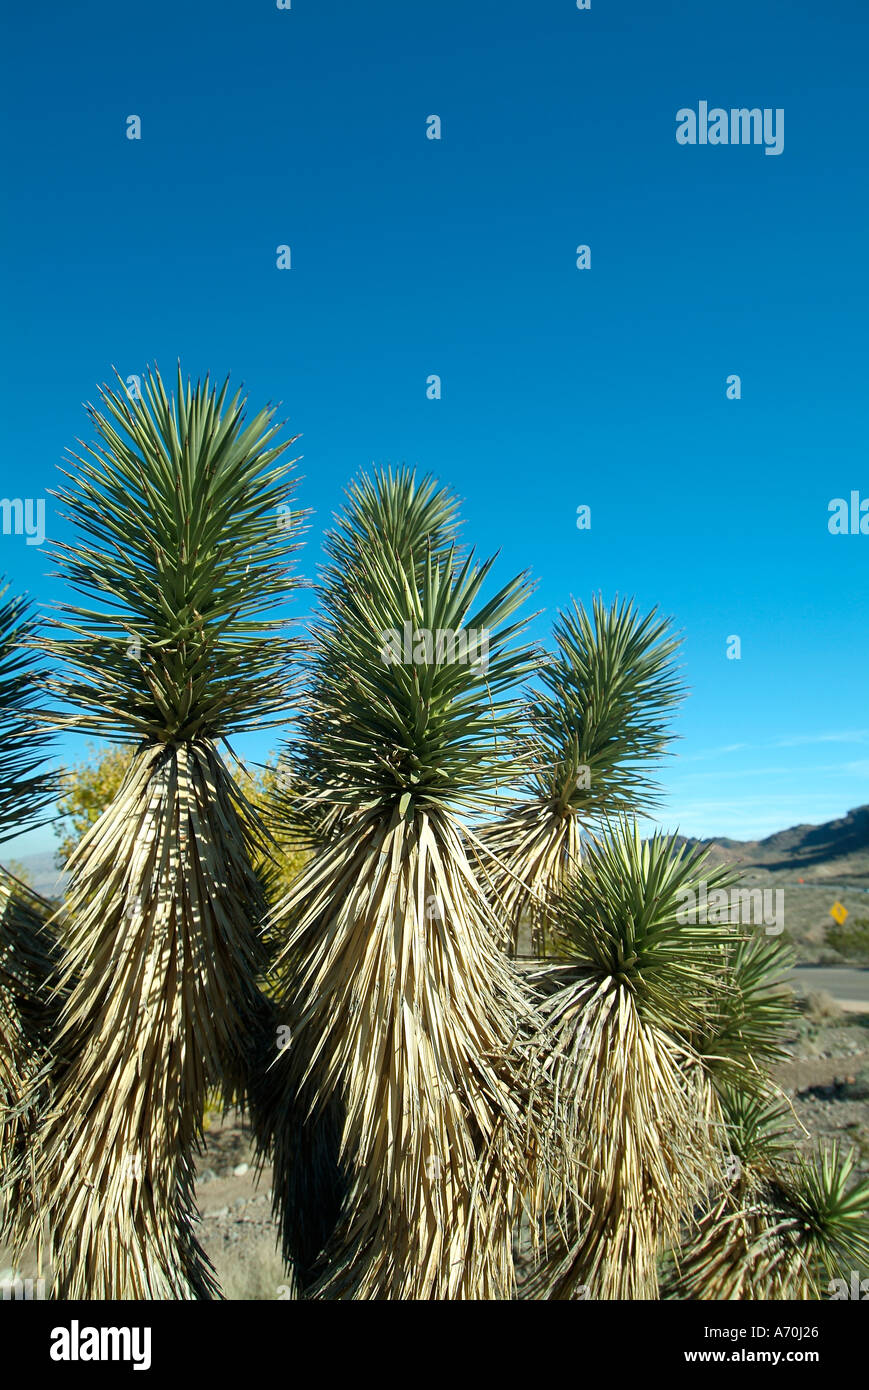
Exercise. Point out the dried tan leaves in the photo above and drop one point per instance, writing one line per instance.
(160, 958)
(403, 1012)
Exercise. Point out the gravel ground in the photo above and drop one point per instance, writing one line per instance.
(237, 1231)
(827, 1081)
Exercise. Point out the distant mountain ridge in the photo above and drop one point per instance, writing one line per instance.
(838, 846)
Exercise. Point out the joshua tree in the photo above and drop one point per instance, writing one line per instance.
(402, 1012)
(26, 955)
(641, 1123)
(408, 517)
(595, 721)
(182, 509)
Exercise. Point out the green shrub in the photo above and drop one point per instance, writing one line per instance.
(851, 939)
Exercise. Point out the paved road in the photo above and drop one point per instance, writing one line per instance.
(820, 883)
(849, 985)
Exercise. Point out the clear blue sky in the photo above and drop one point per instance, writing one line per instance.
(457, 257)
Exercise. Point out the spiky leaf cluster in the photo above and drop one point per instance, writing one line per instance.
(780, 1226)
(639, 1120)
(392, 510)
(407, 519)
(25, 788)
(605, 699)
(184, 509)
(626, 916)
(593, 725)
(749, 1008)
(414, 695)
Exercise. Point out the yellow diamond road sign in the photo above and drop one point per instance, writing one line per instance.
(839, 912)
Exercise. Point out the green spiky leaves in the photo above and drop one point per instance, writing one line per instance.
(392, 511)
(25, 790)
(597, 718)
(831, 1212)
(184, 510)
(782, 1227)
(413, 701)
(747, 1014)
(627, 916)
(759, 1128)
(602, 711)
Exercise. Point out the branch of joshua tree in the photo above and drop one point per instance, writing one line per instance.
(779, 1225)
(189, 511)
(187, 554)
(641, 1123)
(26, 944)
(26, 787)
(598, 719)
(407, 1022)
